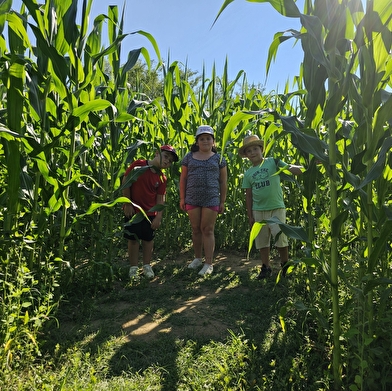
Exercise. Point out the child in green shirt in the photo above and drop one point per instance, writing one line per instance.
(264, 199)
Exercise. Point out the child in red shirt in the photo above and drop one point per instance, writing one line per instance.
(148, 190)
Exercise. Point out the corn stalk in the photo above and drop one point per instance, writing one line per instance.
(339, 41)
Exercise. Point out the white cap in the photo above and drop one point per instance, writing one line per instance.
(204, 129)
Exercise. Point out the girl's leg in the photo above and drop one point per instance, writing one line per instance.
(207, 226)
(197, 239)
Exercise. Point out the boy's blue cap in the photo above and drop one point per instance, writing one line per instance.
(169, 148)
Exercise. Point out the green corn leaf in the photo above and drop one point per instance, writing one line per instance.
(133, 56)
(290, 231)
(279, 38)
(44, 170)
(285, 7)
(380, 245)
(96, 205)
(5, 7)
(374, 283)
(378, 167)
(8, 134)
(158, 208)
(224, 5)
(132, 177)
(137, 218)
(282, 315)
(125, 117)
(337, 223)
(15, 23)
(232, 124)
(381, 116)
(54, 204)
(112, 48)
(153, 43)
(253, 233)
(94, 39)
(314, 29)
(305, 142)
(84, 110)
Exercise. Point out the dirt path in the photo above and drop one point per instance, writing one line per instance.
(179, 302)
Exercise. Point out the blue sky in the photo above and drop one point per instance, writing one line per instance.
(184, 28)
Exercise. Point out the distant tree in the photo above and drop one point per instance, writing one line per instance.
(150, 82)
(145, 81)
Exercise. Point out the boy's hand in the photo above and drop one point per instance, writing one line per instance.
(129, 210)
(156, 223)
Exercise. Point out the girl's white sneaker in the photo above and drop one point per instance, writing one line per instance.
(197, 262)
(207, 269)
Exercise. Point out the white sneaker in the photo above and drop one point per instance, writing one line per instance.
(197, 262)
(207, 269)
(134, 273)
(148, 272)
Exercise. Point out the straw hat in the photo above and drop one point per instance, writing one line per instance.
(250, 140)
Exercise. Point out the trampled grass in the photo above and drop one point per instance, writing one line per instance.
(182, 332)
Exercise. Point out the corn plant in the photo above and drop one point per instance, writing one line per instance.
(345, 72)
(58, 103)
(70, 124)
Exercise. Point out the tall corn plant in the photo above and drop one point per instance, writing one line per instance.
(64, 89)
(54, 120)
(345, 71)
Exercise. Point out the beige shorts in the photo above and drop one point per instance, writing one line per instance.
(263, 239)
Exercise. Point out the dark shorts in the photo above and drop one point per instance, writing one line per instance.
(139, 231)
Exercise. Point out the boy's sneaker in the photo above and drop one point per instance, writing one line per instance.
(148, 272)
(134, 273)
(265, 272)
(207, 269)
(195, 263)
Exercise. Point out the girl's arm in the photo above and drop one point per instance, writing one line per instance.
(223, 188)
(183, 180)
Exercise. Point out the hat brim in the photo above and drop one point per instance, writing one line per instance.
(241, 150)
(210, 133)
(163, 149)
(175, 157)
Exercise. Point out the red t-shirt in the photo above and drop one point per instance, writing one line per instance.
(147, 186)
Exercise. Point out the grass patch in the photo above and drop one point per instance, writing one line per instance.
(181, 331)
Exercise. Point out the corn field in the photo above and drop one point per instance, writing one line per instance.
(71, 121)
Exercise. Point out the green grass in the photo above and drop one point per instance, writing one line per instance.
(181, 332)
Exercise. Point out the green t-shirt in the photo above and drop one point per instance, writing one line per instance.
(266, 189)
